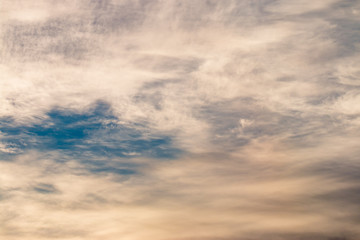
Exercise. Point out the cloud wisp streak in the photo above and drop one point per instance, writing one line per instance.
(179, 120)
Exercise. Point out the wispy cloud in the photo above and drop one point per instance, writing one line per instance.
(147, 119)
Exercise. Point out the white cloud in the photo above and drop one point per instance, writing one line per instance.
(209, 74)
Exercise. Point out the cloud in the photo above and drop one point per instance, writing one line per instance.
(200, 192)
(179, 120)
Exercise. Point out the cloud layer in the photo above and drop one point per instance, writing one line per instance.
(179, 120)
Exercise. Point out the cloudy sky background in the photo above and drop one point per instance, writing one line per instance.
(179, 120)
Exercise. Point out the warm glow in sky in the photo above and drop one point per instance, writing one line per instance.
(179, 119)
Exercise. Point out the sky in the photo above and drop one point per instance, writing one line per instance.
(179, 120)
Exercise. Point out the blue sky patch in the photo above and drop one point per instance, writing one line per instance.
(93, 133)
